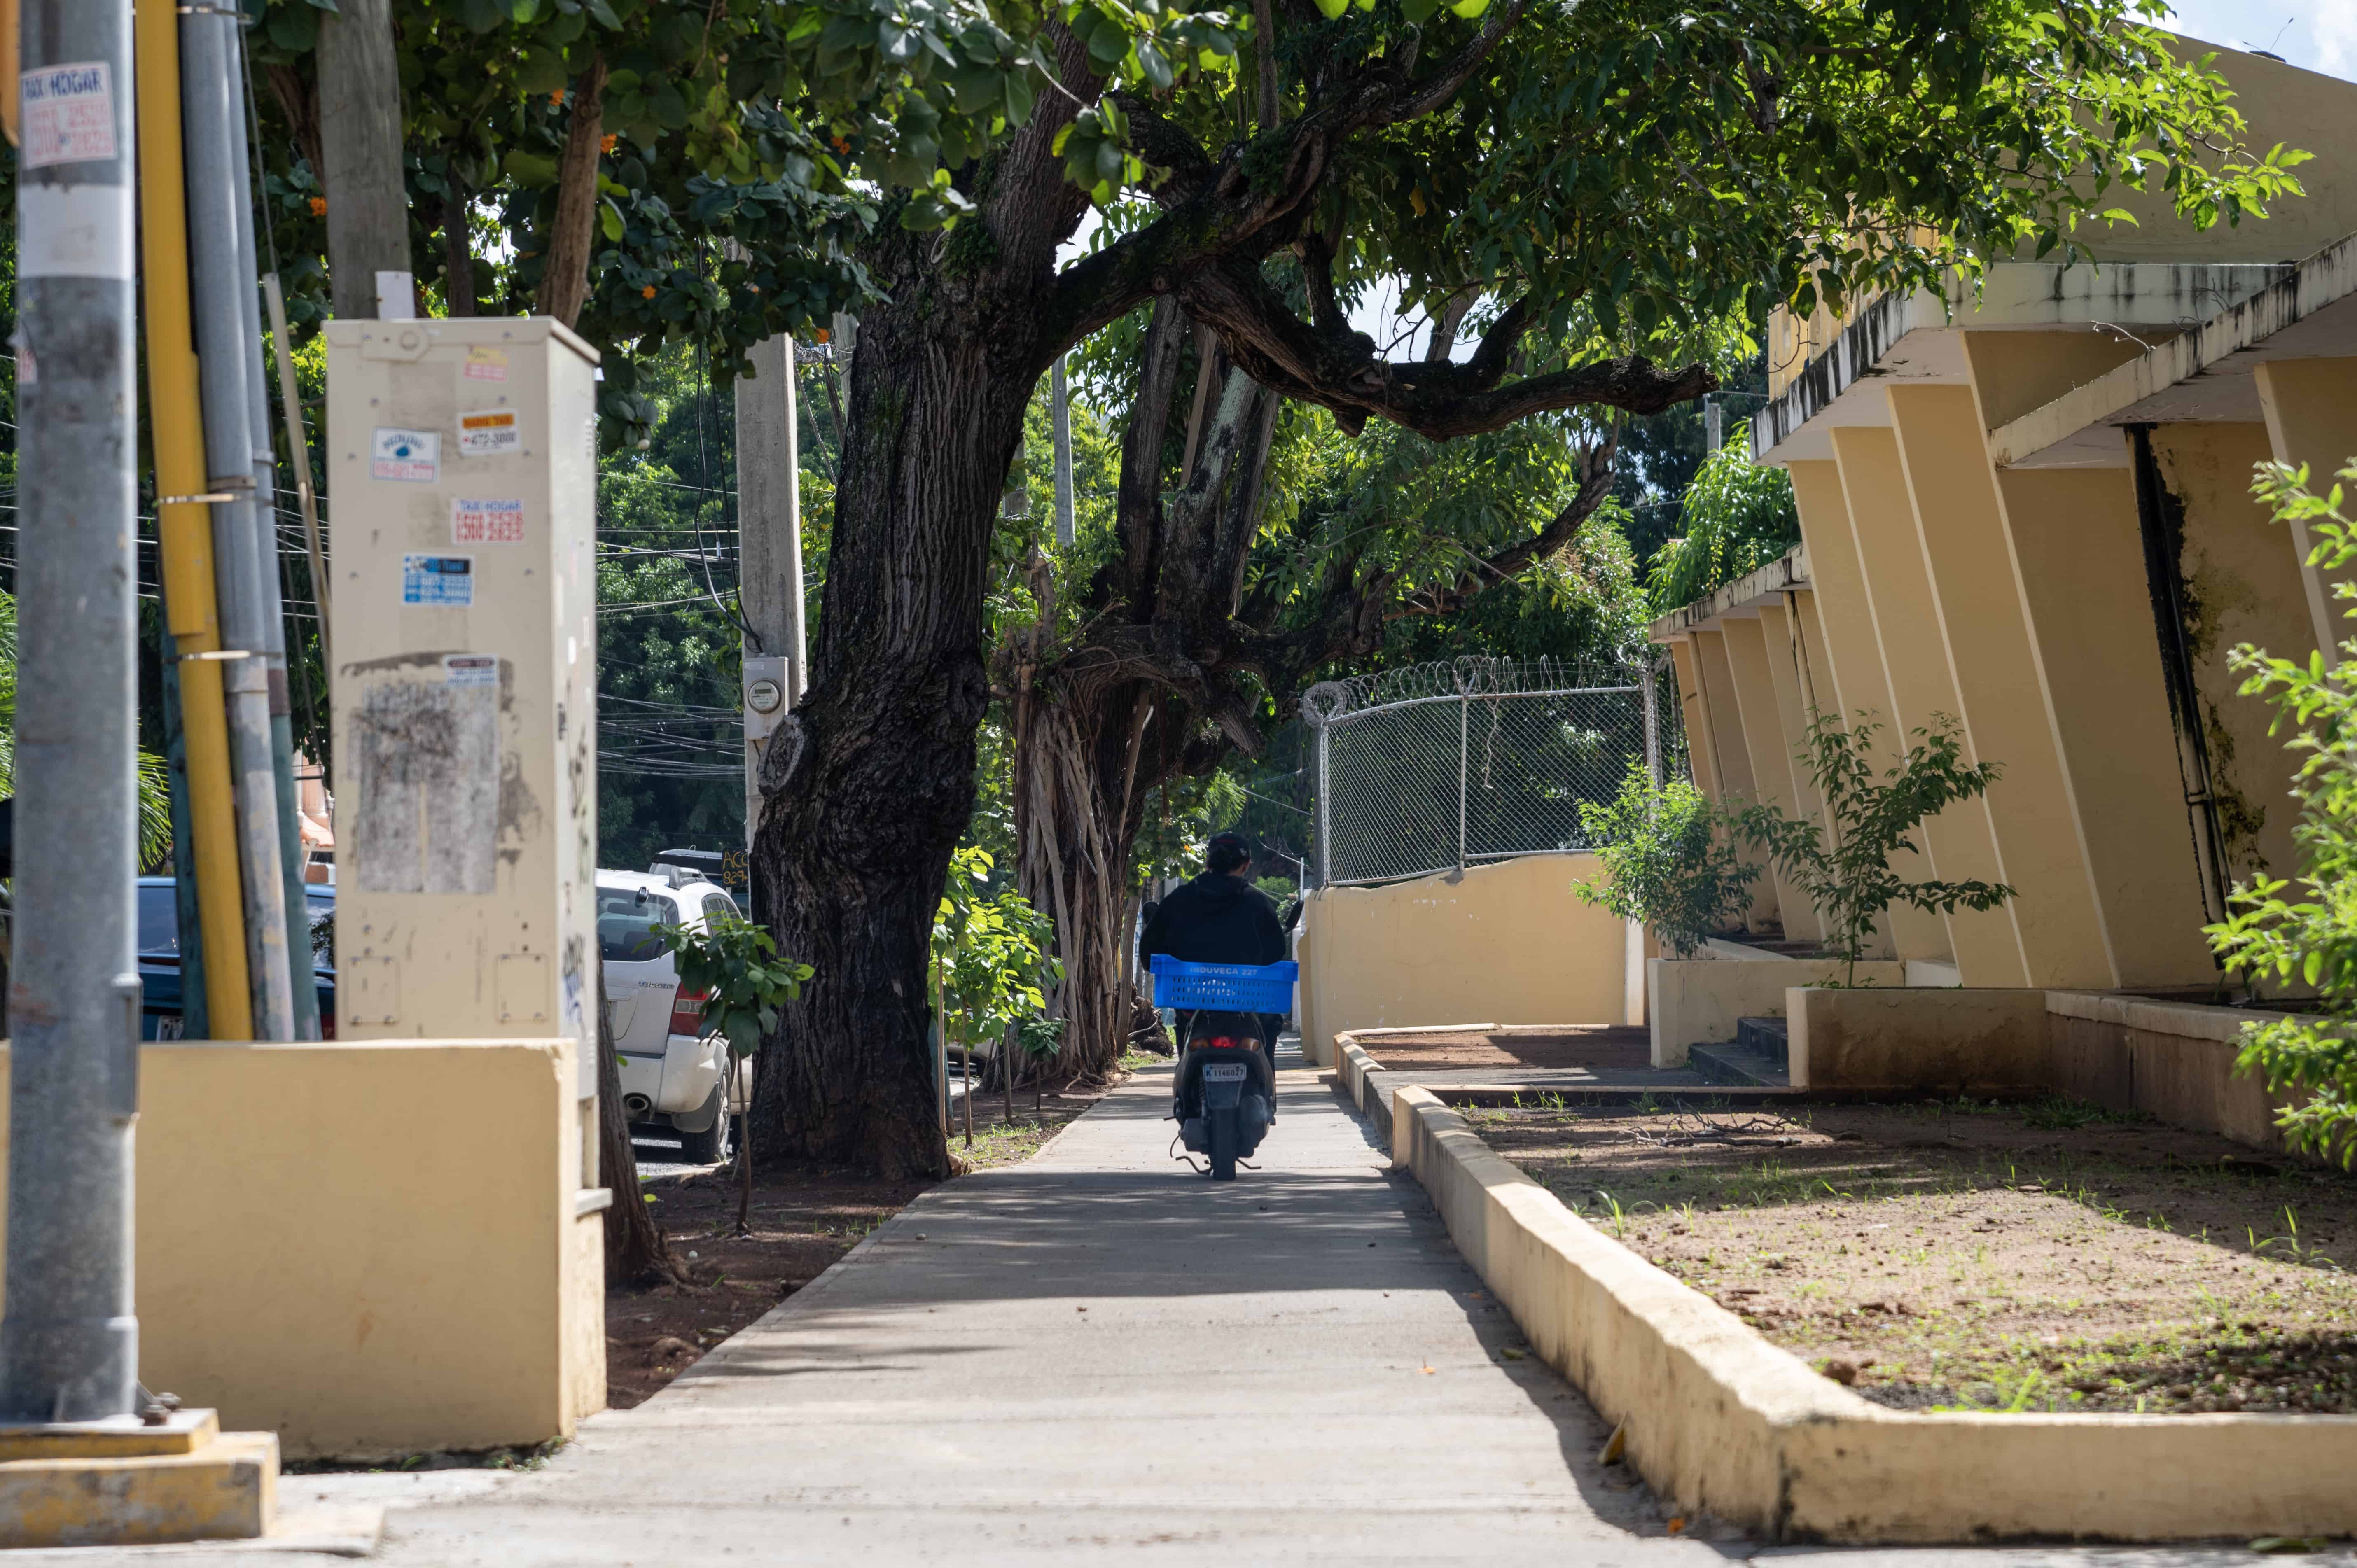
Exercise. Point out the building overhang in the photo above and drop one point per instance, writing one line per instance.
(2200, 375)
(1917, 338)
(1738, 600)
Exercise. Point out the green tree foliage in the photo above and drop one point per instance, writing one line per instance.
(992, 951)
(1847, 874)
(1667, 862)
(734, 965)
(1737, 517)
(2303, 930)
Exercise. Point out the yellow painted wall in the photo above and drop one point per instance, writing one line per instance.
(2242, 585)
(1851, 680)
(369, 1248)
(1504, 943)
(2310, 407)
(1978, 600)
(1959, 842)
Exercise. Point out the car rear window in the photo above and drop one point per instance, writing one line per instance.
(159, 918)
(718, 903)
(626, 921)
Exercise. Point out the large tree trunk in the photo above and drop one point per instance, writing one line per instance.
(359, 120)
(564, 284)
(868, 783)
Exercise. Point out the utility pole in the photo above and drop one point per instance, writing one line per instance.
(245, 559)
(1059, 420)
(70, 1342)
(360, 142)
(768, 553)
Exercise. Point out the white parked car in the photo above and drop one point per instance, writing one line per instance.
(672, 1072)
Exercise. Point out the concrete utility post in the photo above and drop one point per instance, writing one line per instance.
(360, 143)
(69, 1343)
(770, 554)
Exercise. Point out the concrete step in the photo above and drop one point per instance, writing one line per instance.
(1766, 1035)
(1738, 1066)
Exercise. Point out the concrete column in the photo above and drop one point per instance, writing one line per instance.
(1702, 744)
(1851, 678)
(2311, 412)
(1959, 841)
(1768, 747)
(1788, 670)
(1737, 784)
(1977, 595)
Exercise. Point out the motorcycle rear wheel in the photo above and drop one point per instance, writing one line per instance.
(1223, 1145)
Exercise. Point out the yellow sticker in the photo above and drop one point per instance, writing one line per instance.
(487, 364)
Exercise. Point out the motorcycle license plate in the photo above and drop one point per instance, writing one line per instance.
(1223, 1085)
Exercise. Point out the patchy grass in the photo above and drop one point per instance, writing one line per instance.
(2040, 1255)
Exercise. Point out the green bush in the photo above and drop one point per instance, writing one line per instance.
(1847, 874)
(1665, 863)
(2306, 930)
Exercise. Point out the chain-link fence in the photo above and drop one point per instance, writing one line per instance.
(1442, 765)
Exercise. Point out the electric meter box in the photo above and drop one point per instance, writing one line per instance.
(462, 464)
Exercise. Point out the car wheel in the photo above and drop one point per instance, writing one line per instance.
(710, 1146)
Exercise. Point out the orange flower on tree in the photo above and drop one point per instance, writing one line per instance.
(606, 143)
(648, 291)
(557, 96)
(318, 207)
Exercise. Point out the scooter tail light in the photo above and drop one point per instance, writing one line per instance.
(687, 1011)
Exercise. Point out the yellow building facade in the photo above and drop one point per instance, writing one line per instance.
(2027, 509)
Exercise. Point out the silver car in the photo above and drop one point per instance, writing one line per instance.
(673, 1073)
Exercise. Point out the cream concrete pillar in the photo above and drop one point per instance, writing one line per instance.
(1788, 669)
(1851, 677)
(1771, 754)
(2242, 584)
(2311, 412)
(2002, 700)
(1702, 744)
(1738, 787)
(1960, 842)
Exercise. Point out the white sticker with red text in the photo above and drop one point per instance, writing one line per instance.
(494, 432)
(480, 522)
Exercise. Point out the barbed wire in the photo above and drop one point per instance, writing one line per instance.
(1468, 676)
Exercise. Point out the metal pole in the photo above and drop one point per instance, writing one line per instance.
(1653, 723)
(1060, 422)
(213, 120)
(70, 1342)
(770, 554)
(303, 994)
(1464, 712)
(1324, 812)
(290, 393)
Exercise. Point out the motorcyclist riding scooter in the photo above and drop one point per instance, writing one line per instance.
(1220, 917)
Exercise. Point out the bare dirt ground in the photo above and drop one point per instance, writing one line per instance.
(803, 1220)
(1600, 1047)
(2040, 1255)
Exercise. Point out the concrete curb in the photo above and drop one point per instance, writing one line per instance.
(1720, 1419)
(1365, 1084)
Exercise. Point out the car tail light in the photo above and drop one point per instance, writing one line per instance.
(688, 1012)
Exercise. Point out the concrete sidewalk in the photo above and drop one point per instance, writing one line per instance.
(1094, 1355)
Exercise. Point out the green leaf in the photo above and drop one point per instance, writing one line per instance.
(609, 223)
(1468, 9)
(1333, 9)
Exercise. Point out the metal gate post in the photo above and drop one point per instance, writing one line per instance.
(1325, 807)
(1652, 721)
(1464, 711)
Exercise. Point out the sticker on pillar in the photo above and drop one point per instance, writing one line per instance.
(445, 582)
(476, 520)
(487, 364)
(470, 670)
(66, 115)
(413, 457)
(494, 432)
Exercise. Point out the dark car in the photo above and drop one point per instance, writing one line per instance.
(159, 957)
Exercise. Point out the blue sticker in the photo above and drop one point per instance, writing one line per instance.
(447, 581)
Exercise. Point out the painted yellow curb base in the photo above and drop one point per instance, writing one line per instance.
(99, 1484)
(1720, 1419)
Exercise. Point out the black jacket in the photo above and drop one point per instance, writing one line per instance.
(1214, 920)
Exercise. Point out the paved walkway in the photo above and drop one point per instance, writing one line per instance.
(1092, 1356)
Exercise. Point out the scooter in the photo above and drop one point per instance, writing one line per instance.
(1224, 1096)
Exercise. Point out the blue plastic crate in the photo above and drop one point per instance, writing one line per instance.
(1224, 987)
